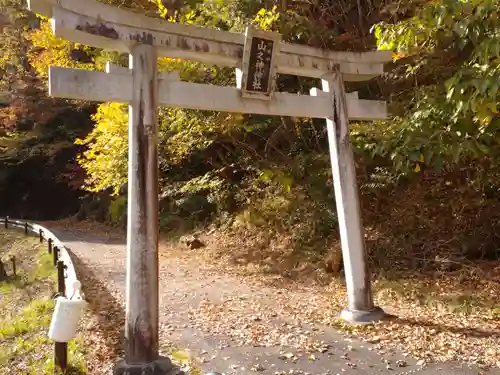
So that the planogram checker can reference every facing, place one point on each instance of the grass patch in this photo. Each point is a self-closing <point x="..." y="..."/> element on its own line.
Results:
<point x="27" y="307"/>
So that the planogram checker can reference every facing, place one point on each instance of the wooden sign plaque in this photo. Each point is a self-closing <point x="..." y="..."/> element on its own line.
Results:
<point x="259" y="63"/>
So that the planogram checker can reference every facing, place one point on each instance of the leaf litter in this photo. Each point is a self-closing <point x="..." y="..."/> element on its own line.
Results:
<point x="429" y="332"/>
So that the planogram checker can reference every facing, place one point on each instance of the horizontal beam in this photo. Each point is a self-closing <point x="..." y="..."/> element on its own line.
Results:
<point x="117" y="37"/>
<point x="108" y="13"/>
<point x="116" y="69"/>
<point x="99" y="86"/>
<point x="92" y="23"/>
<point x="364" y="109"/>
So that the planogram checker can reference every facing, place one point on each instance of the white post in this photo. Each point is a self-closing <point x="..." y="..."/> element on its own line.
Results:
<point x="360" y="307"/>
<point x="141" y="325"/>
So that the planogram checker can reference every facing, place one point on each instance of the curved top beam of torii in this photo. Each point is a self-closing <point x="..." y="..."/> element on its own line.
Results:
<point x="103" y="26"/>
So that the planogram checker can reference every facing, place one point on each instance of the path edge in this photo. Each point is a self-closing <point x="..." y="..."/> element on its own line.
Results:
<point x="43" y="233"/>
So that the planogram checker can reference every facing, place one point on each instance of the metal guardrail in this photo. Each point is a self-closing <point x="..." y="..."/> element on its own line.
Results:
<point x="56" y="247"/>
<point x="61" y="256"/>
<point x="66" y="274"/>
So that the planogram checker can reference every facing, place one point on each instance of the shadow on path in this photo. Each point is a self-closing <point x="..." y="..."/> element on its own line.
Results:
<point x="104" y="305"/>
<point x="470" y="332"/>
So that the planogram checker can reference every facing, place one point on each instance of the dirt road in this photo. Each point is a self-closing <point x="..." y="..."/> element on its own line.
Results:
<point x="236" y="326"/>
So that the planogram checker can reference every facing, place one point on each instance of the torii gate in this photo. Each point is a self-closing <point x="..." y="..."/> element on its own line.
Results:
<point x="257" y="57"/>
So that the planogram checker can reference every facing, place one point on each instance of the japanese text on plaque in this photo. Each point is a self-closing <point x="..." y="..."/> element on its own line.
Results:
<point x="259" y="65"/>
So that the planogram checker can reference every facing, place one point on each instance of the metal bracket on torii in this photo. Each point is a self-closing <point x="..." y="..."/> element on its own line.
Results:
<point x="257" y="58"/>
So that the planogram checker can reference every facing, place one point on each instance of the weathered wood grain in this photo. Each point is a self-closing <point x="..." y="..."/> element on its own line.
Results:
<point x="141" y="326"/>
<point x="99" y="86"/>
<point x="99" y="25"/>
<point x="359" y="295"/>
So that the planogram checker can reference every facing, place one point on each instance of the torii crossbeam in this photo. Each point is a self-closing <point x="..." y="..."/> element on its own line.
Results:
<point x="257" y="58"/>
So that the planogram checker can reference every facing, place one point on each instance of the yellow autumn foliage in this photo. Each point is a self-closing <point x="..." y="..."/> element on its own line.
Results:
<point x="51" y="51"/>
<point x="105" y="160"/>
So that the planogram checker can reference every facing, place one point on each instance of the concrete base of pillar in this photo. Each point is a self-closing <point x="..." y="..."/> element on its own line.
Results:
<point x="363" y="317"/>
<point x="162" y="366"/>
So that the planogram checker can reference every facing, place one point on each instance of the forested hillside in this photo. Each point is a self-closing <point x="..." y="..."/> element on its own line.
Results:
<point x="429" y="176"/>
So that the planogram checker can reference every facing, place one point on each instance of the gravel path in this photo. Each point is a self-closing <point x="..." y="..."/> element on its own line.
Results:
<point x="235" y="326"/>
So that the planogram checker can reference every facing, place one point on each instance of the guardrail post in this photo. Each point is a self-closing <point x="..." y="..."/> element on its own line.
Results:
<point x="3" y="274"/>
<point x="61" y="287"/>
<point x="55" y="254"/>
<point x="13" y="260"/>
<point x="60" y="348"/>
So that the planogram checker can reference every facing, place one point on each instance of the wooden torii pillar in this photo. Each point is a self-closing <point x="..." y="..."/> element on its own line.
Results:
<point x="257" y="58"/>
